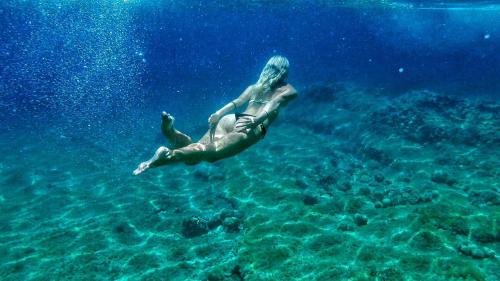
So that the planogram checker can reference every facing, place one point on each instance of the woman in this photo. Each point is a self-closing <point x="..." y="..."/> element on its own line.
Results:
<point x="233" y="133"/>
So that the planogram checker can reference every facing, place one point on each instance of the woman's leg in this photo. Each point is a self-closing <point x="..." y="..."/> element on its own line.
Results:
<point x="230" y="145"/>
<point x="176" y="138"/>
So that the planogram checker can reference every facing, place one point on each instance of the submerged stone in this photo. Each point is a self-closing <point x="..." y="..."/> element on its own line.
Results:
<point x="426" y="240"/>
<point x="360" y="220"/>
<point x="310" y="199"/>
<point x="475" y="251"/>
<point x="443" y="178"/>
<point x="193" y="227"/>
<point x="231" y="224"/>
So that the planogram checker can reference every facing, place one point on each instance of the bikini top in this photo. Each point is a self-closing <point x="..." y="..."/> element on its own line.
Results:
<point x="258" y="101"/>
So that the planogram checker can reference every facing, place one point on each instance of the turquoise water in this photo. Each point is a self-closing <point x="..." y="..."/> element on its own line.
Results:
<point x="386" y="167"/>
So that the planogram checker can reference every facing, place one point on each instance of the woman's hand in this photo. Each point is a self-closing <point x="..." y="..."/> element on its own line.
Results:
<point x="245" y="124"/>
<point x="213" y="119"/>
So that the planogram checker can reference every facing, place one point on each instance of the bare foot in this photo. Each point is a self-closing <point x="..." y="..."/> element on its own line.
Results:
<point x="167" y="122"/>
<point x="142" y="167"/>
<point x="161" y="157"/>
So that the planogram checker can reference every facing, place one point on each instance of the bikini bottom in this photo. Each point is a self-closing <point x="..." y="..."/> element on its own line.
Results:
<point x="263" y="129"/>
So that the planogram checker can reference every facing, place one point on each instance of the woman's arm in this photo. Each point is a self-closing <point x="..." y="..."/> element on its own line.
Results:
<point x="241" y="100"/>
<point x="270" y="110"/>
<point x="272" y="107"/>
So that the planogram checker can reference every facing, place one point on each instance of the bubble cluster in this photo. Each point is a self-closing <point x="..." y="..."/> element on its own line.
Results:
<point x="75" y="59"/>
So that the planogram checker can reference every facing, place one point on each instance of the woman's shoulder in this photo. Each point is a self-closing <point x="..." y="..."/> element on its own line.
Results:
<point x="287" y="89"/>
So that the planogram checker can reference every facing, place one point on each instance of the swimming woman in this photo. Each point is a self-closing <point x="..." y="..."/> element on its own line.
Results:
<point x="229" y="134"/>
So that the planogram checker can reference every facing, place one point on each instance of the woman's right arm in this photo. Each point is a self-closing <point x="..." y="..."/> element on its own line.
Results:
<point x="241" y="100"/>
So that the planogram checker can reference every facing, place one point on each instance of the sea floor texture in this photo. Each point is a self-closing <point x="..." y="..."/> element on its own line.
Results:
<point x="348" y="184"/>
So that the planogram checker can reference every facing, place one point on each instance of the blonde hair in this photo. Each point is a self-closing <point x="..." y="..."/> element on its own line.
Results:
<point x="275" y="71"/>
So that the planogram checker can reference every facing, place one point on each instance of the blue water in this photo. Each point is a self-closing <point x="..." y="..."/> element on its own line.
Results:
<point x="397" y="99"/>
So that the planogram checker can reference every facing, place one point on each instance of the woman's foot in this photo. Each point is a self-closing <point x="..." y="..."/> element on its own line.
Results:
<point x="167" y="122"/>
<point x="161" y="157"/>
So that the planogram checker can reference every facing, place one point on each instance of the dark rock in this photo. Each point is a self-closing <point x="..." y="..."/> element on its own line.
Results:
<point x="214" y="223"/>
<point x="194" y="226"/>
<point x="455" y="224"/>
<point x="355" y="205"/>
<point x="360" y="220"/>
<point x="485" y="235"/>
<point x="428" y="134"/>
<point x="364" y="191"/>
<point x="219" y="219"/>
<point x="310" y="199"/>
<point x="346" y="225"/>
<point x="344" y="186"/>
<point x="225" y="213"/>
<point x="426" y="241"/>
<point x="217" y="177"/>
<point x="403" y="196"/>
<point x="323" y="93"/>
<point x="216" y="275"/>
<point x="443" y="178"/>
<point x="377" y="155"/>
<point x="126" y="234"/>
<point x="379" y="178"/>
<point x="202" y="173"/>
<point x="236" y="272"/>
<point x="475" y="251"/>
<point x="231" y="225"/>
<point x="327" y="181"/>
<point x="485" y="197"/>
<point x="390" y="274"/>
<point x="300" y="183"/>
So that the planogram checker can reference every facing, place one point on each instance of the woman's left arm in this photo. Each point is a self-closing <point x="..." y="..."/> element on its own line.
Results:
<point x="272" y="107"/>
<point x="270" y="110"/>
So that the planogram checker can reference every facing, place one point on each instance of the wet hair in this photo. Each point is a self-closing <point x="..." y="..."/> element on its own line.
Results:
<point x="275" y="72"/>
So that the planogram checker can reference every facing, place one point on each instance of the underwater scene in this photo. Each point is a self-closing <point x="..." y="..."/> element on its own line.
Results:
<point x="249" y="140"/>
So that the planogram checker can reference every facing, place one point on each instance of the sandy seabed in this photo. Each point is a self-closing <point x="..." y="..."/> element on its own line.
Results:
<point x="349" y="184"/>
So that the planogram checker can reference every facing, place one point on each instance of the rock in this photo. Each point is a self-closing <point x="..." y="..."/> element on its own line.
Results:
<point x="390" y="274"/>
<point x="453" y="223"/>
<point x="323" y="93"/>
<point x="310" y="199"/>
<point x="327" y="181"/>
<point x="485" y="235"/>
<point x="231" y="225"/>
<point x="484" y="197"/>
<point x="364" y="191"/>
<point x="356" y="204"/>
<point x="364" y="178"/>
<point x="443" y="178"/>
<point x="426" y="241"/>
<point x="346" y="225"/>
<point x="377" y="155"/>
<point x="475" y="251"/>
<point x="194" y="227"/>
<point x="214" y="222"/>
<point x="344" y="186"/>
<point x="360" y="220"/>
<point x="236" y="272"/>
<point x="386" y="202"/>
<point x="202" y="173"/>
<point x="300" y="184"/>
<point x="404" y="196"/>
<point x="379" y="178"/>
